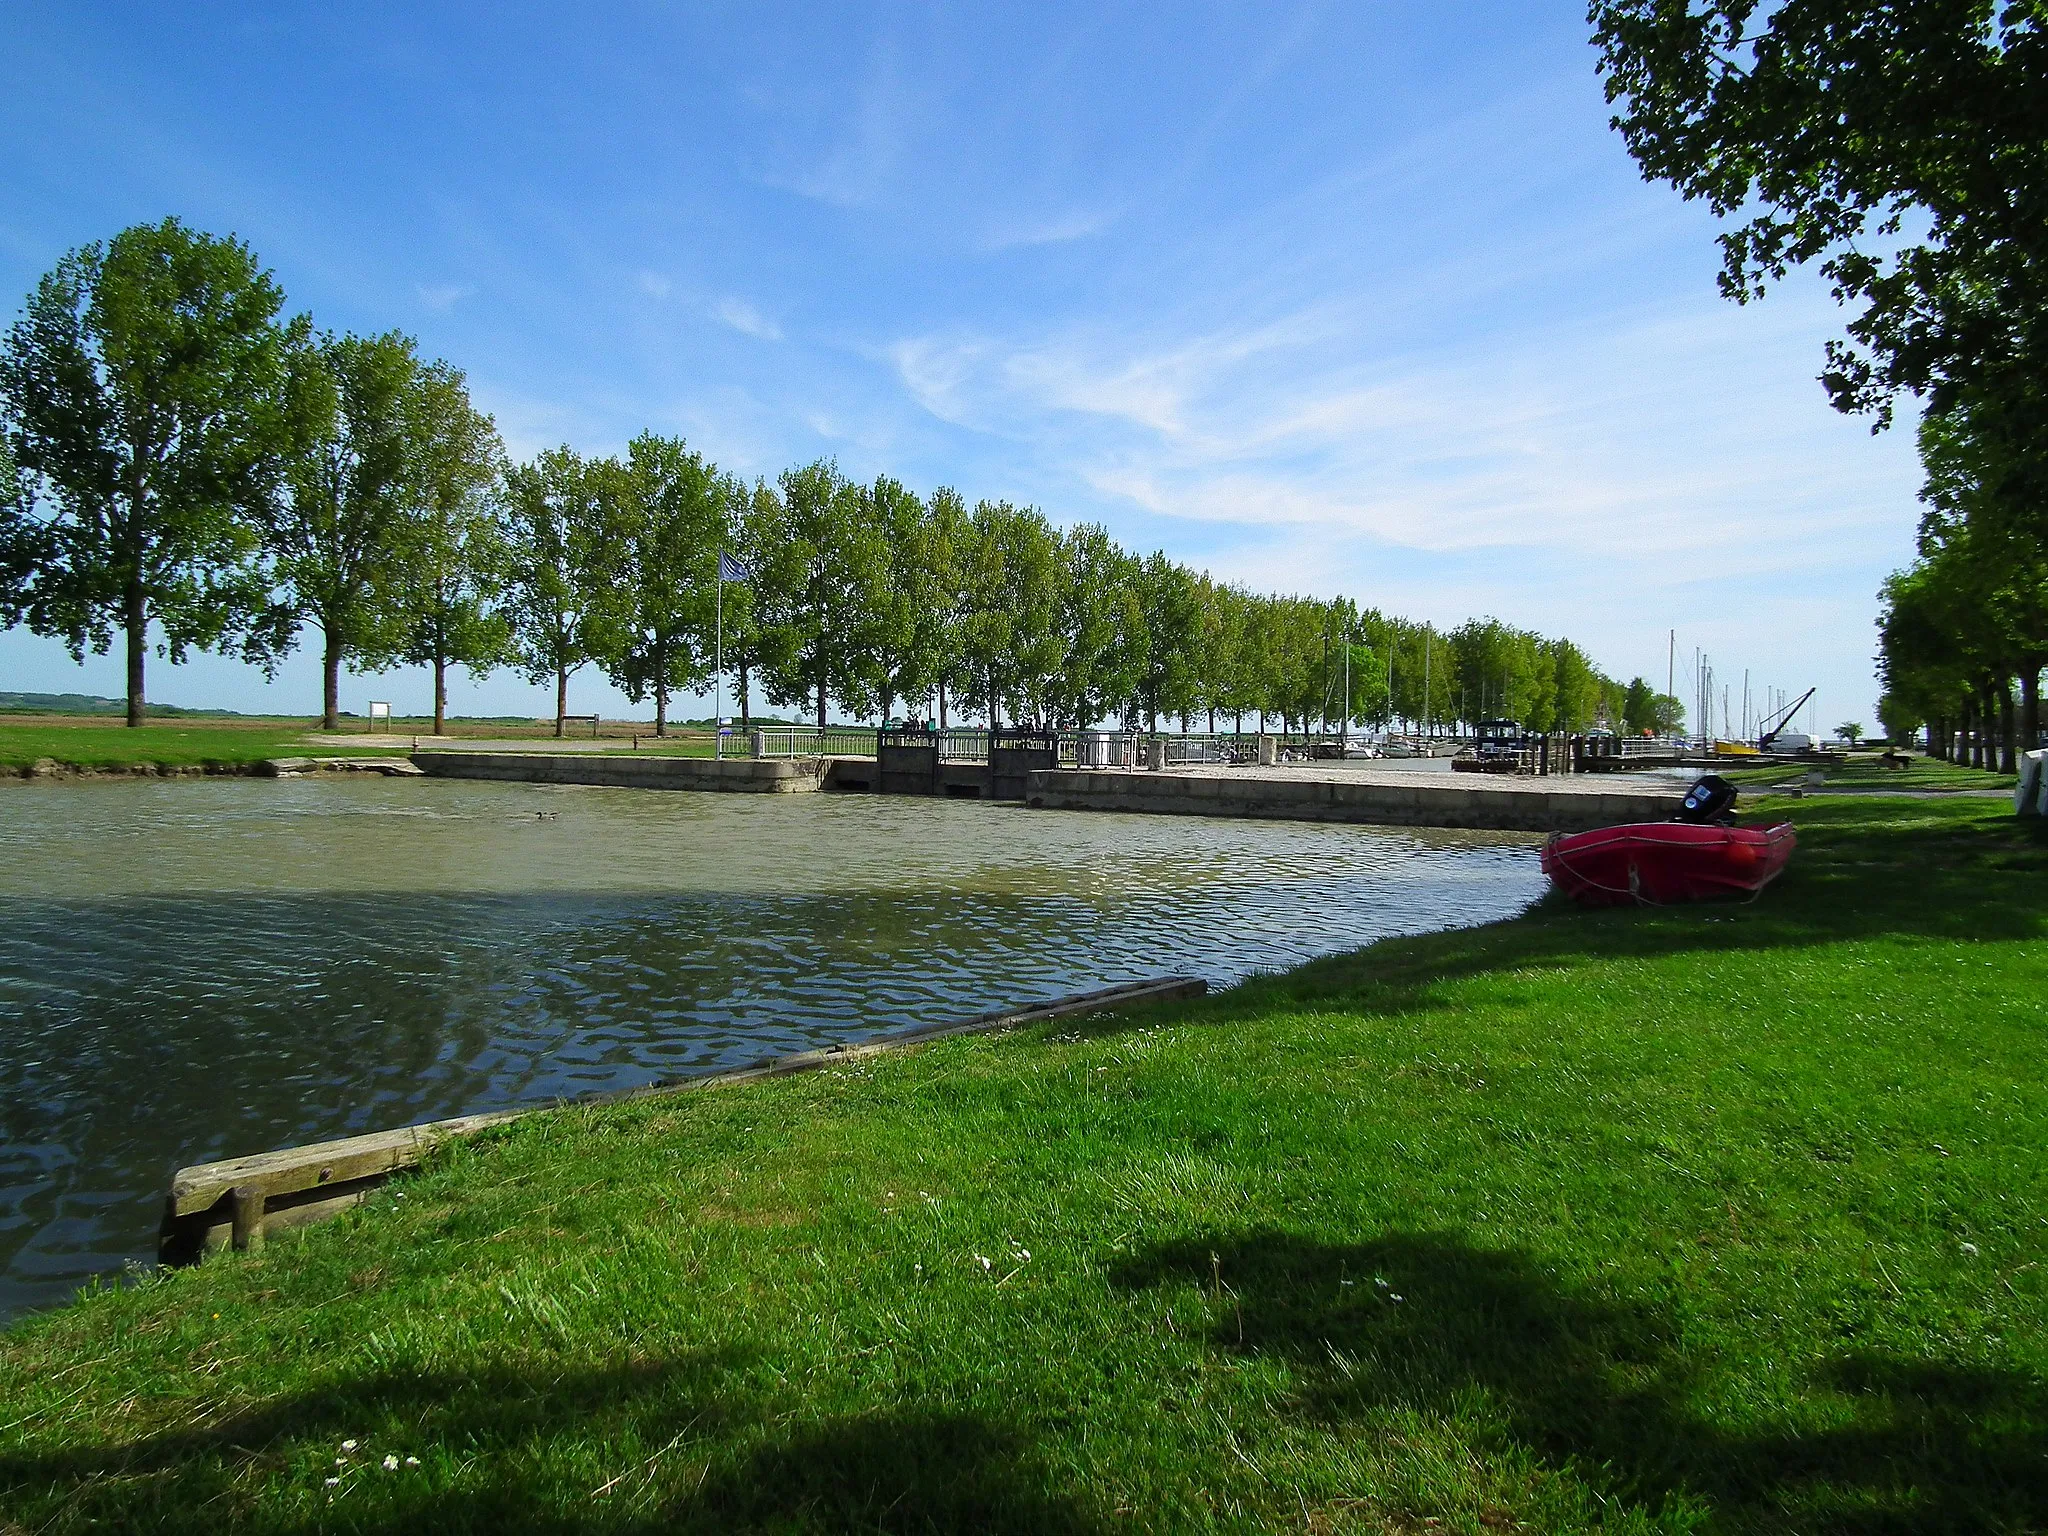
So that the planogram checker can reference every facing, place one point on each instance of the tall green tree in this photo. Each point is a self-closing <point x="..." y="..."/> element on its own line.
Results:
<point x="1170" y="601"/>
<point x="338" y="536"/>
<point x="663" y="520"/>
<point x="1102" y="623"/>
<point x="824" y="562"/>
<point x="752" y="645"/>
<point x="142" y="392"/>
<point x="1897" y="145"/>
<point x="551" y="545"/>
<point x="901" y="627"/>
<point x="1983" y="502"/>
<point x="948" y="535"/>
<point x="454" y="562"/>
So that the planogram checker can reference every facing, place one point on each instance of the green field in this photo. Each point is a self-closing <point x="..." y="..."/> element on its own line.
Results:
<point x="1866" y="772"/>
<point x="103" y="742"/>
<point x="1700" y="1219"/>
<point x="91" y="741"/>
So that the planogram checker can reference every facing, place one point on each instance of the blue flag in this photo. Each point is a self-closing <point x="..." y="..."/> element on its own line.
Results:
<point x="730" y="569"/>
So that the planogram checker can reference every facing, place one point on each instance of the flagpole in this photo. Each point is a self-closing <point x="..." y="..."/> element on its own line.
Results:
<point x="718" y="663"/>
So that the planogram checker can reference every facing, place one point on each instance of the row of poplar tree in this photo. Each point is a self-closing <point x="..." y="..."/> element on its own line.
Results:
<point x="184" y="462"/>
<point x="1964" y="633"/>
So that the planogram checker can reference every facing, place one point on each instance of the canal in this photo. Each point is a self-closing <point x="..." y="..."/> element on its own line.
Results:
<point x="192" y="970"/>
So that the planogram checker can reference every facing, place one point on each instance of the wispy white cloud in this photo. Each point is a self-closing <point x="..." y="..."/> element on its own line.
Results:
<point x="1664" y="434"/>
<point x="443" y="296"/>
<point x="654" y="284"/>
<point x="747" y="320"/>
<point x="1051" y="229"/>
<point x="866" y="149"/>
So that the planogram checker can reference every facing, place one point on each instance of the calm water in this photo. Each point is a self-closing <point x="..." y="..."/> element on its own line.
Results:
<point x="201" y="969"/>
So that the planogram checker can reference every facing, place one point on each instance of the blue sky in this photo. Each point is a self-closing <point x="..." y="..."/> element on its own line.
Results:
<point x="1361" y="298"/>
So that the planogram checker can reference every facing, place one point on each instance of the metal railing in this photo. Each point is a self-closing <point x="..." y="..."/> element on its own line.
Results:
<point x="809" y="741"/>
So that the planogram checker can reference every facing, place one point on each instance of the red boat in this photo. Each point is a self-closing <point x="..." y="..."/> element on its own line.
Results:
<point x="1660" y="862"/>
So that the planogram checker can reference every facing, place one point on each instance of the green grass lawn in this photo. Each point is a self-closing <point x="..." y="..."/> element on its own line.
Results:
<point x="1701" y="1219"/>
<point x="100" y="741"/>
<point x="90" y="741"/>
<point x="1869" y="773"/>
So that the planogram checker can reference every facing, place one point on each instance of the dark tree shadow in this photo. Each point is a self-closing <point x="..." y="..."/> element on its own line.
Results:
<point x="887" y="1471"/>
<point x="1911" y="1446"/>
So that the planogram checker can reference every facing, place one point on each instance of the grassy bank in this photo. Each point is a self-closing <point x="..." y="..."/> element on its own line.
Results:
<point x="100" y="742"/>
<point x="1702" y="1219"/>
<point x="94" y="742"/>
<point x="1867" y="772"/>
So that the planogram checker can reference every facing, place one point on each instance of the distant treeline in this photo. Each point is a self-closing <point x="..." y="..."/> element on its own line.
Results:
<point x="92" y="704"/>
<point x="180" y="455"/>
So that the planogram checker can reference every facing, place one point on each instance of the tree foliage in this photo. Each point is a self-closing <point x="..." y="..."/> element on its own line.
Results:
<point x="1900" y="146"/>
<point x="336" y="534"/>
<point x="142" y="393"/>
<point x="551" y="541"/>
<point x="452" y="569"/>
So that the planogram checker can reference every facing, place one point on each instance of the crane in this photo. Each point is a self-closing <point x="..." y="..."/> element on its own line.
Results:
<point x="1778" y="720"/>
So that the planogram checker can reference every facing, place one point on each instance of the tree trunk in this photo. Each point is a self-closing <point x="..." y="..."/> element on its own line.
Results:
<point x="2007" y="731"/>
<point x="2030" y="707"/>
<point x="942" y="706"/>
<point x="440" y="694"/>
<point x="330" y="691"/>
<point x="821" y="701"/>
<point x="661" y="689"/>
<point x="746" y="718"/>
<point x="561" y="696"/>
<point x="135" y="620"/>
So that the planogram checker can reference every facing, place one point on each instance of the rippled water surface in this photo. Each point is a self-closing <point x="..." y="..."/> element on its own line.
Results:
<point x="200" y="969"/>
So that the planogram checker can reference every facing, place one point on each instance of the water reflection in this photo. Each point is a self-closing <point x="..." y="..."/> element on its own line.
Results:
<point x="198" y="970"/>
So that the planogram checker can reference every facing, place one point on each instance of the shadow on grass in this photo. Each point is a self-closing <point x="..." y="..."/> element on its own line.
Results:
<point x="1429" y="1324"/>
<point x="727" y="1459"/>
<point x="1957" y="872"/>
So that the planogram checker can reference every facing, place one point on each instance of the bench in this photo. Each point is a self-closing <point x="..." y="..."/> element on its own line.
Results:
<point x="593" y="719"/>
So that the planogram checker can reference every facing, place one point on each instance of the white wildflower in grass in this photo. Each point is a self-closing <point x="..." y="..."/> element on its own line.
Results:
<point x="390" y="1463"/>
<point x="348" y="1445"/>
<point x="332" y="1481"/>
<point x="412" y="1461"/>
<point x="1970" y="1249"/>
<point x="984" y="1260"/>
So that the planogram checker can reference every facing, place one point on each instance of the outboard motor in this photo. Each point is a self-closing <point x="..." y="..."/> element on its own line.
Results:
<point x="1709" y="803"/>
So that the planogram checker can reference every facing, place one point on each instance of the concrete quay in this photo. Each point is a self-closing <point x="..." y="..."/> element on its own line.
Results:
<point x="1402" y="795"/>
<point x="627" y="770"/>
<point x="1562" y="804"/>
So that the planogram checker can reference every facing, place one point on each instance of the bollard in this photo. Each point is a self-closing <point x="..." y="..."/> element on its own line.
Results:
<point x="757" y="743"/>
<point x="1155" y="754"/>
<point x="1269" y="750"/>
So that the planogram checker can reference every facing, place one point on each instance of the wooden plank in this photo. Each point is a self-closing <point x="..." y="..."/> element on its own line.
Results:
<point x="201" y="1186"/>
<point x="247" y="1226"/>
<point x="208" y="1197"/>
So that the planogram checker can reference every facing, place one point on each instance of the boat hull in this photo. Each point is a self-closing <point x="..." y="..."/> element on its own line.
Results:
<point x="1661" y="862"/>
